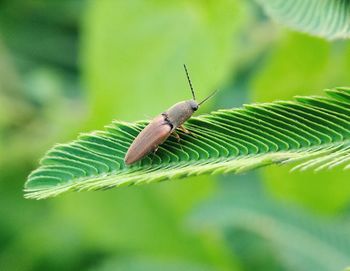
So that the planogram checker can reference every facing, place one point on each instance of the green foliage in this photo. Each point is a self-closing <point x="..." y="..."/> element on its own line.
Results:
<point x="149" y="264"/>
<point x="313" y="130"/>
<point x="304" y="72"/>
<point x="301" y="241"/>
<point x="300" y="186"/>
<point x="326" y="18"/>
<point x="38" y="85"/>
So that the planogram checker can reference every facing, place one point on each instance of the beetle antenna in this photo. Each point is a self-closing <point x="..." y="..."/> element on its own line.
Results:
<point x="189" y="82"/>
<point x="211" y="95"/>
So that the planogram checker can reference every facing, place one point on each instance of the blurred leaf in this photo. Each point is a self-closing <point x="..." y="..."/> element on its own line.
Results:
<point x="13" y="105"/>
<point x="37" y="80"/>
<point x="314" y="130"/>
<point x="149" y="264"/>
<point x="300" y="240"/>
<point x="325" y="18"/>
<point x="291" y="65"/>
<point x="324" y="192"/>
<point x="49" y="34"/>
<point x="133" y="53"/>
<point x="251" y="250"/>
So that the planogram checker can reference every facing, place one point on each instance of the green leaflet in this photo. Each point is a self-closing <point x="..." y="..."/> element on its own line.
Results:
<point x="314" y="131"/>
<point x="326" y="18"/>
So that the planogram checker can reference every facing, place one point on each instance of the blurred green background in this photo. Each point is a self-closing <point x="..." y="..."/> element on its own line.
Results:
<point x="73" y="66"/>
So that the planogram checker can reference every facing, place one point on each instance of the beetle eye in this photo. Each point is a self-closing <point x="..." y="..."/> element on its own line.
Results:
<point x="194" y="108"/>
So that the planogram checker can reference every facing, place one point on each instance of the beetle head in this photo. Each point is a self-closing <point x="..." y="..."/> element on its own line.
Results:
<point x="194" y="105"/>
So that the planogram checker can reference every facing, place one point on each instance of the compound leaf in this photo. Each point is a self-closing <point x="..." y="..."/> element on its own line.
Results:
<point x="313" y="131"/>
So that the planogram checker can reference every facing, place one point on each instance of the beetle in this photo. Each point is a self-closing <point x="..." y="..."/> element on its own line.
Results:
<point x="162" y="126"/>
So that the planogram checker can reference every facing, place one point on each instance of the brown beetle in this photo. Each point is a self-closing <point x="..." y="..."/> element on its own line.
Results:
<point x="161" y="127"/>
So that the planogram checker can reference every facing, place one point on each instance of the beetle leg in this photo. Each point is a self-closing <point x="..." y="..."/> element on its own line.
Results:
<point x="177" y="136"/>
<point x="153" y="153"/>
<point x="178" y="139"/>
<point x="182" y="128"/>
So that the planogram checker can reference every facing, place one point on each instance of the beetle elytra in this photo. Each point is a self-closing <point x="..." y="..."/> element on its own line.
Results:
<point x="161" y="127"/>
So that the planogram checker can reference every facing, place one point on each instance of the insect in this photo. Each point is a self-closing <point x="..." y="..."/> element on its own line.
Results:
<point x="162" y="126"/>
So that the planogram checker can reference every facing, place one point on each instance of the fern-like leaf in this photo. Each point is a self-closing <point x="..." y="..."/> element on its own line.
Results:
<point x="326" y="18"/>
<point x="315" y="131"/>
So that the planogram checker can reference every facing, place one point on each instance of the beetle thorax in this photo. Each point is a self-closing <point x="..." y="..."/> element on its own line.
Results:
<point x="180" y="112"/>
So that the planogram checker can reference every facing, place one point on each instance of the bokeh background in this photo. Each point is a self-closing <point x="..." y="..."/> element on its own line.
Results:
<point x="72" y="66"/>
